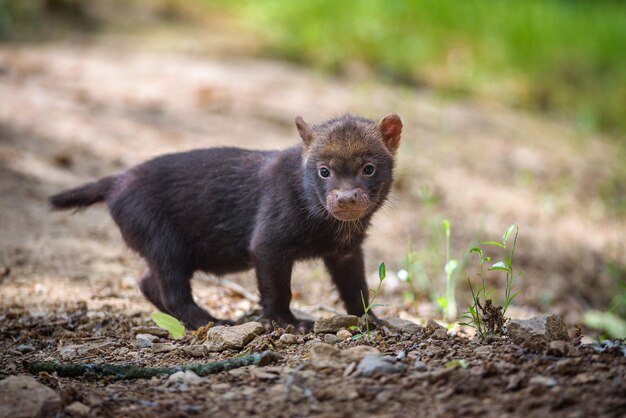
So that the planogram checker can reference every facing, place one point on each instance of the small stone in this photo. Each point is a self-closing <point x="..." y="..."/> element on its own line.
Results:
<point x="222" y="338"/>
<point x="78" y="409"/>
<point x="263" y="374"/>
<point x="440" y="334"/>
<point x="543" y="381"/>
<point x="483" y="350"/>
<point x="23" y="396"/>
<point x="325" y="356"/>
<point x="378" y="364"/>
<point x="71" y="351"/>
<point x="537" y="332"/>
<point x="162" y="347"/>
<point x="145" y="340"/>
<point x="432" y="326"/>
<point x="288" y="339"/>
<point x="358" y="352"/>
<point x="159" y="332"/>
<point x="420" y="366"/>
<point x="584" y="378"/>
<point x="335" y="324"/>
<point x="188" y="377"/>
<point x="197" y="350"/>
<point x="400" y="325"/>
<point x="25" y="348"/>
<point x="331" y="339"/>
<point x="344" y="334"/>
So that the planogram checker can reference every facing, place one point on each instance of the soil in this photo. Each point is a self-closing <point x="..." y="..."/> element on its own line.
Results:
<point x="71" y="112"/>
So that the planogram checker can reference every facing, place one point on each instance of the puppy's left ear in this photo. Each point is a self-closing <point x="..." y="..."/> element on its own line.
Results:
<point x="391" y="129"/>
<point x="305" y="131"/>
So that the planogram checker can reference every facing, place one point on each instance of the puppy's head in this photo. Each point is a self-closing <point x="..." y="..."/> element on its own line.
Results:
<point x="349" y="163"/>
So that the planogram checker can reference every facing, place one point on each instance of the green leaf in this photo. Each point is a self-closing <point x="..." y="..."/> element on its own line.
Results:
<point x="496" y="243"/>
<point x="457" y="362"/>
<point x="169" y="323"/>
<point x="446" y="225"/>
<point x="507" y="233"/>
<point x="451" y="266"/>
<point x="476" y="250"/>
<point x="608" y="322"/>
<point x="357" y="337"/>
<point x="382" y="272"/>
<point x="442" y="302"/>
<point x="499" y="266"/>
<point x="354" y="328"/>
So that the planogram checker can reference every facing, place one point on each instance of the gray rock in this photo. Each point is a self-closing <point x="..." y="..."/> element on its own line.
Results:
<point x="335" y="323"/>
<point x="358" y="352"/>
<point x="197" y="350"/>
<point x="187" y="377"/>
<point x="71" y="351"/>
<point x="331" y="339"/>
<point x="439" y="334"/>
<point x="162" y="347"/>
<point x="420" y="366"/>
<point x="222" y="338"/>
<point x="377" y="364"/>
<point x="25" y="348"/>
<point x="78" y="409"/>
<point x="538" y="331"/>
<point x="395" y="324"/>
<point x="24" y="397"/>
<point x="543" y="381"/>
<point x="159" y="332"/>
<point x="432" y="326"/>
<point x="145" y="340"/>
<point x="344" y="334"/>
<point x="288" y="339"/>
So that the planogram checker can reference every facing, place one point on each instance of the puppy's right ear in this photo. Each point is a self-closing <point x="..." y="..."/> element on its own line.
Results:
<point x="305" y="131"/>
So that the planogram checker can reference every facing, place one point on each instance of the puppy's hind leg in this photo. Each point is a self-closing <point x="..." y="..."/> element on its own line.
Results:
<point x="150" y="286"/>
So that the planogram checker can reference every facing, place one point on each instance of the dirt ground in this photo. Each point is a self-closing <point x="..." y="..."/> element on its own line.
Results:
<point x="71" y="112"/>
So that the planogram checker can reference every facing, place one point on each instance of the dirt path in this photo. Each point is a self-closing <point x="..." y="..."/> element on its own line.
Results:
<point x="70" y="113"/>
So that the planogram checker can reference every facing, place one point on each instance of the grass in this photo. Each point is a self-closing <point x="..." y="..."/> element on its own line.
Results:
<point x="482" y="315"/>
<point x="562" y="57"/>
<point x="367" y="307"/>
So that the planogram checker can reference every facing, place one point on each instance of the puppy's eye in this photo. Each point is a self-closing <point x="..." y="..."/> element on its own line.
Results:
<point x="368" y="169"/>
<point x="324" y="172"/>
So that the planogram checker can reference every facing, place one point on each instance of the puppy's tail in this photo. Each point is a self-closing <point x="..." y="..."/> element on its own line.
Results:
<point x="83" y="196"/>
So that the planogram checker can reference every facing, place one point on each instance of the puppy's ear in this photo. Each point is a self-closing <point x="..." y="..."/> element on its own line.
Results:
<point x="305" y="131"/>
<point x="391" y="129"/>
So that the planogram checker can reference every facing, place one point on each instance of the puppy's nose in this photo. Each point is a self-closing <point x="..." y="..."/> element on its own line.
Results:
<point x="346" y="198"/>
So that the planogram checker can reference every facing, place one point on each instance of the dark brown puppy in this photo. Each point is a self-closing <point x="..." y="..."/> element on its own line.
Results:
<point x="224" y="210"/>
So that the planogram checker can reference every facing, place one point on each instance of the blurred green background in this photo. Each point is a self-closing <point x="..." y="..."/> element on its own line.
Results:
<point x="566" y="58"/>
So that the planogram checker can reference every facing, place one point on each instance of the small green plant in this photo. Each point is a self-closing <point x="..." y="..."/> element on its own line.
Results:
<point x="430" y="259"/>
<point x="169" y="323"/>
<point x="367" y="307"/>
<point x="612" y="321"/>
<point x="482" y="315"/>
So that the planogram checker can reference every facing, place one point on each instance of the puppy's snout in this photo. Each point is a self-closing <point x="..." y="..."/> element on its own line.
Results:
<point x="346" y="199"/>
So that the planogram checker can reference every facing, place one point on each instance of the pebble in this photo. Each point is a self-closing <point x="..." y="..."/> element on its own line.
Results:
<point x="25" y="348"/>
<point x="344" y="334"/>
<point x="197" y="350"/>
<point x="335" y="324"/>
<point x="378" y="364"/>
<point x="145" y="340"/>
<point x="288" y="339"/>
<point x="420" y="366"/>
<point x="162" y="347"/>
<point x="188" y="377"/>
<point x="543" y="381"/>
<point x="440" y="334"/>
<point x="331" y="339"/>
<point x="222" y="338"/>
<point x="23" y="396"/>
<point x="78" y="409"/>
<point x="159" y="332"/>
<point x="538" y="331"/>
<point x="400" y="325"/>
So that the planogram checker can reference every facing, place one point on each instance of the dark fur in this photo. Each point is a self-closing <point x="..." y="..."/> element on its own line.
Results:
<point x="225" y="210"/>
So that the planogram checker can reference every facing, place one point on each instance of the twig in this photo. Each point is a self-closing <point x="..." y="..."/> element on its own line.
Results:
<point x="129" y="372"/>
